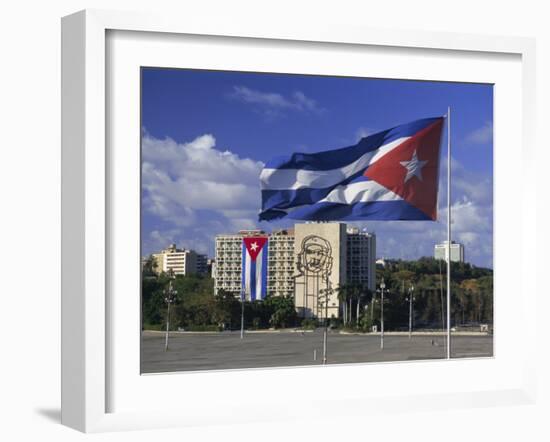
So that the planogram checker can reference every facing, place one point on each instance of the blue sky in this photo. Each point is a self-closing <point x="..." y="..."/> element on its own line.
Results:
<point x="206" y="135"/>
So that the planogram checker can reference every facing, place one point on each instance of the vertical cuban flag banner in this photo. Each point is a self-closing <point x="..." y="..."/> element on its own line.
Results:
<point x="390" y="175"/>
<point x="254" y="267"/>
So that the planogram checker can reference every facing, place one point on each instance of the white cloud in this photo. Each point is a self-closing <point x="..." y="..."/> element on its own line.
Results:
<point x="199" y="160"/>
<point x="469" y="238"/>
<point x="302" y="102"/>
<point x="469" y="217"/>
<point x="473" y="185"/>
<point x="472" y="211"/>
<point x="480" y="190"/>
<point x="157" y="240"/>
<point x="180" y="180"/>
<point x="481" y="135"/>
<point x="272" y="103"/>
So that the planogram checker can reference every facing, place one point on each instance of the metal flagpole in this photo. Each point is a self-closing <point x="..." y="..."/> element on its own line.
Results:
<point x="442" y="302"/>
<point x="325" y="332"/>
<point x="449" y="232"/>
<point x="382" y="287"/>
<point x="167" y="327"/>
<point x="170" y="297"/>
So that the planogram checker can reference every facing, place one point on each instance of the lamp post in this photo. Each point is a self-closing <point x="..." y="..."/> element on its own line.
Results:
<point x="325" y="339"/>
<point x="382" y="287"/>
<point x="323" y="297"/>
<point x="372" y="306"/>
<point x="242" y="312"/>
<point x="169" y="297"/>
<point x="411" y="299"/>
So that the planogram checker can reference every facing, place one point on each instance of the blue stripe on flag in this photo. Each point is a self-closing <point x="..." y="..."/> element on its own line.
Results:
<point x="252" y="279"/>
<point x="285" y="199"/>
<point x="333" y="159"/>
<point x="376" y="210"/>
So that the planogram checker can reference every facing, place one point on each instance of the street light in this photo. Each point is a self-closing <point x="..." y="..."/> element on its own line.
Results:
<point x="242" y="312"/>
<point x="382" y="287"/>
<point x="411" y="299"/>
<point x="169" y="297"/>
<point x="326" y="292"/>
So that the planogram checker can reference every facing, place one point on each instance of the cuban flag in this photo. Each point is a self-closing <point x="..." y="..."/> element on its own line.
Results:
<point x="254" y="268"/>
<point x="391" y="175"/>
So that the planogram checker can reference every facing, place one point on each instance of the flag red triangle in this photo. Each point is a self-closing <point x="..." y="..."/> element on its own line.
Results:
<point x="411" y="170"/>
<point x="254" y="245"/>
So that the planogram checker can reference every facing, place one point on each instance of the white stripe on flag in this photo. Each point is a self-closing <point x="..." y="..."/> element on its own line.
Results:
<point x="282" y="179"/>
<point x="247" y="275"/>
<point x="259" y="275"/>
<point x="360" y="192"/>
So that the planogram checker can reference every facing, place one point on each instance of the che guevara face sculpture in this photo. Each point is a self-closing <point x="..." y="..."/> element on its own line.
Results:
<point x="316" y="255"/>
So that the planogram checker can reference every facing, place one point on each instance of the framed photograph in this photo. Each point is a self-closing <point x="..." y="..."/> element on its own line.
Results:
<point x="265" y="216"/>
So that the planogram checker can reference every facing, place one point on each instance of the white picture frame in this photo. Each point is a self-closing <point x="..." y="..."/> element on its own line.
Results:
<point x="87" y="354"/>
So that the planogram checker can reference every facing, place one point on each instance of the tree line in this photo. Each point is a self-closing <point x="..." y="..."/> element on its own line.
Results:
<point x="196" y="307"/>
<point x="425" y="280"/>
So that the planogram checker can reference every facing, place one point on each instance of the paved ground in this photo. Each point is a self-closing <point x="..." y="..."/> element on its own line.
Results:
<point x="213" y="351"/>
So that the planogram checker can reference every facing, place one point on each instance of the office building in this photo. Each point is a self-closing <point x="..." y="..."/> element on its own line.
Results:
<point x="361" y="257"/>
<point x="281" y="266"/>
<point x="202" y="264"/>
<point x="457" y="251"/>
<point x="180" y="261"/>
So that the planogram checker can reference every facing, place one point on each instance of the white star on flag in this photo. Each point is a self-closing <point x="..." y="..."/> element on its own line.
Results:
<point x="254" y="246"/>
<point x="414" y="167"/>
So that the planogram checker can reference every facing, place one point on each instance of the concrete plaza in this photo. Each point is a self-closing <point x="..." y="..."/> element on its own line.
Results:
<point x="214" y="351"/>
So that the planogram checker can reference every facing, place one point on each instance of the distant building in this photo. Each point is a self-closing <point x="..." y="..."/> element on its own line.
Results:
<point x="180" y="261"/>
<point x="320" y="250"/>
<point x="202" y="264"/>
<point x="281" y="268"/>
<point x="228" y="261"/>
<point x="361" y="256"/>
<point x="381" y="262"/>
<point x="457" y="251"/>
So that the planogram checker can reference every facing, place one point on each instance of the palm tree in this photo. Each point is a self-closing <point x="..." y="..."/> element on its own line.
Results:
<point x="364" y="296"/>
<point x="343" y="296"/>
<point x="356" y="290"/>
<point x="352" y="295"/>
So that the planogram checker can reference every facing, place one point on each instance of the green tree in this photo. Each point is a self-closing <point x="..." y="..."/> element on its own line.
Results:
<point x="364" y="299"/>
<point x="227" y="309"/>
<point x="344" y="294"/>
<point x="149" y="267"/>
<point x="283" y="311"/>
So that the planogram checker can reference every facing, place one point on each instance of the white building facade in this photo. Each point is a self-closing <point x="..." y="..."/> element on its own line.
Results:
<point x="179" y="261"/>
<point x="457" y="251"/>
<point x="280" y="263"/>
